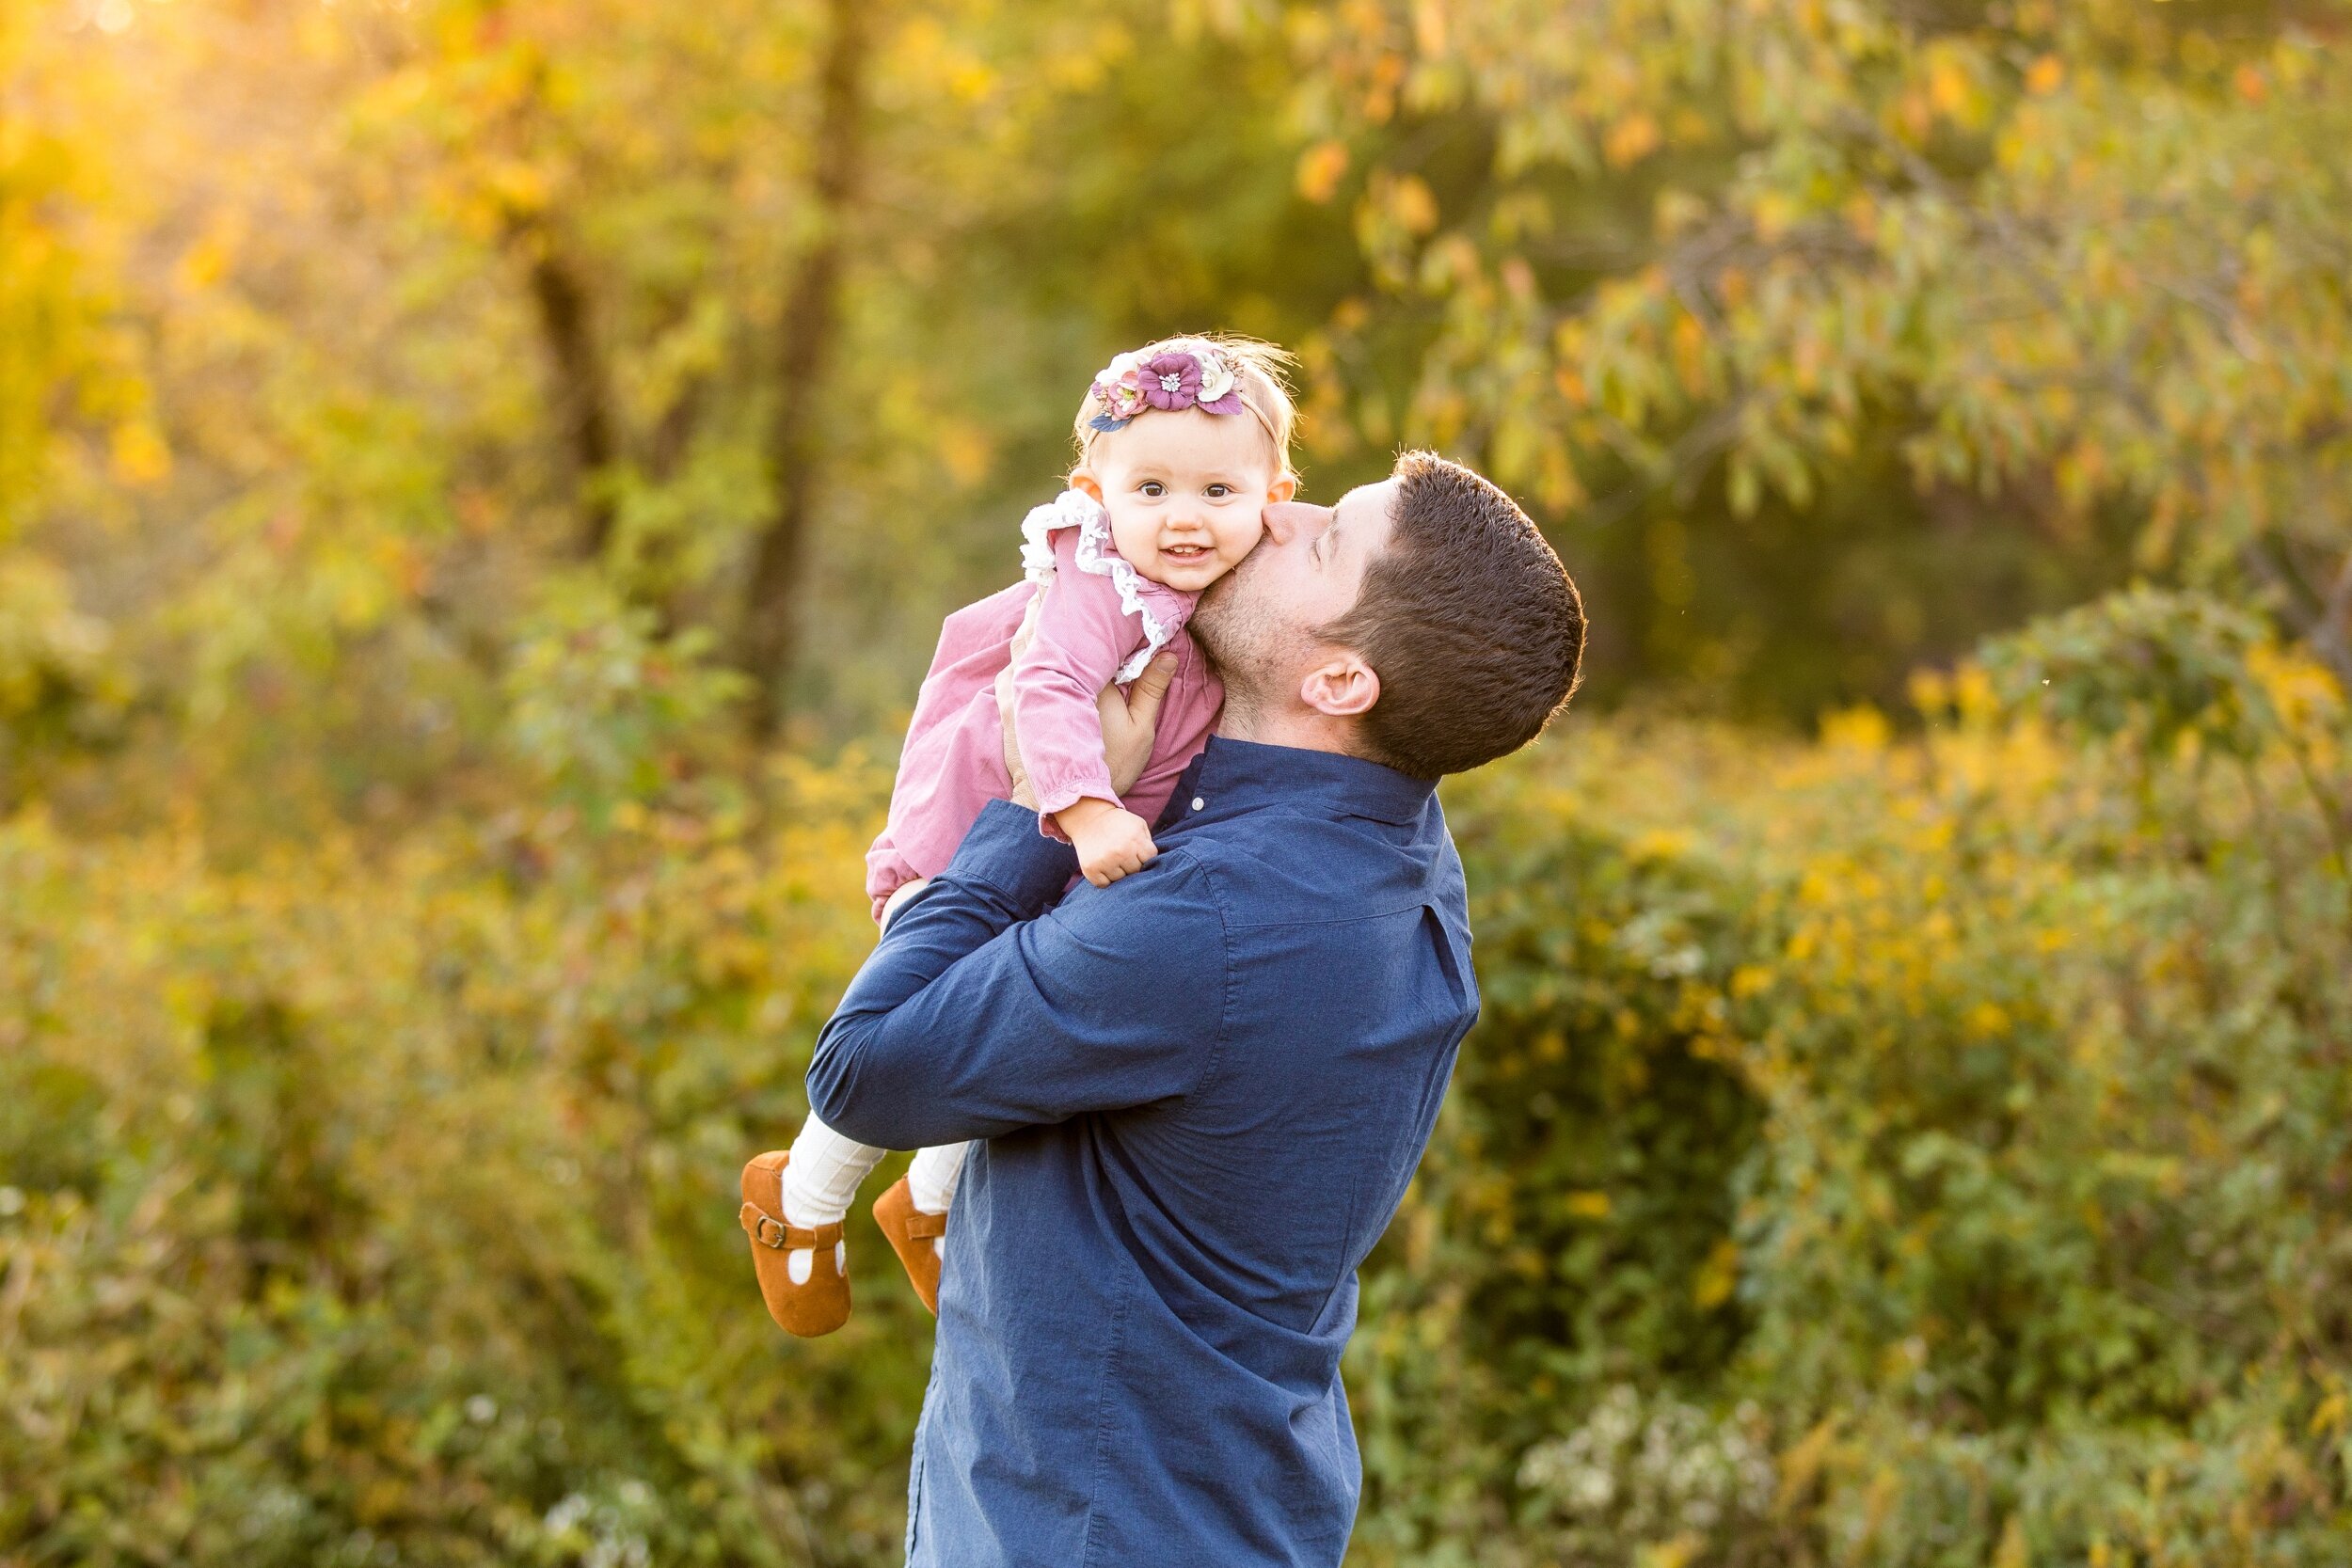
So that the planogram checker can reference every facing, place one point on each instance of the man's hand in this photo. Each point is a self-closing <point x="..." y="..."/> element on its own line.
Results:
<point x="1131" y="719"/>
<point x="1111" y="841"/>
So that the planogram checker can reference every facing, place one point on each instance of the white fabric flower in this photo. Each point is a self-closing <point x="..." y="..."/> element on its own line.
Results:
<point x="1217" y="376"/>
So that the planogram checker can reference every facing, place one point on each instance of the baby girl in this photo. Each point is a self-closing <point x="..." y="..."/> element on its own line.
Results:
<point x="1181" y="444"/>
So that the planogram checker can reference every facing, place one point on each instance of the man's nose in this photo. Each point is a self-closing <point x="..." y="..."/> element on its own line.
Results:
<point x="1289" y="520"/>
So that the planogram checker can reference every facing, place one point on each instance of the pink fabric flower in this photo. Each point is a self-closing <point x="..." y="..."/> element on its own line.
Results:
<point x="1171" y="381"/>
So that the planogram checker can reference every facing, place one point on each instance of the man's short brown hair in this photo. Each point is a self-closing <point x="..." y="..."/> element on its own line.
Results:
<point x="1473" y="626"/>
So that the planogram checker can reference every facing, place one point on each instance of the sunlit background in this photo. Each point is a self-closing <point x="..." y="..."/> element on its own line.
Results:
<point x="478" y="483"/>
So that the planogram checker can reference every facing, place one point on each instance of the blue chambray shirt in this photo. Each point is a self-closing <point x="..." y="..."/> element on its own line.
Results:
<point x="1203" y="1091"/>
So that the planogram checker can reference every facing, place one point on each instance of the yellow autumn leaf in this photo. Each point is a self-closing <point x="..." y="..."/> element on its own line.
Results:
<point x="1320" y="168"/>
<point x="1411" y="204"/>
<point x="1717" y="1278"/>
<point x="1951" y="89"/>
<point x="137" y="454"/>
<point x="1429" y="27"/>
<point x="1630" y="139"/>
<point x="965" y="451"/>
<point x="2011" y="1552"/>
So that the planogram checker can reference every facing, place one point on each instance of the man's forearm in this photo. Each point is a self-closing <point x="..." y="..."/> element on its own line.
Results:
<point x="866" y="1077"/>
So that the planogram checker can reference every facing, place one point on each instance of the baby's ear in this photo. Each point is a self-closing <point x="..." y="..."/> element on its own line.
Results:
<point x="1281" y="489"/>
<point x="1082" y="479"/>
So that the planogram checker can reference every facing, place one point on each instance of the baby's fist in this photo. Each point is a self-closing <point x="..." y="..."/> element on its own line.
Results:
<point x="1112" y="844"/>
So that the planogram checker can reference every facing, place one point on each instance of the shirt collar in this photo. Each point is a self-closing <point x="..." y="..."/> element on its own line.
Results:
<point x="1240" y="773"/>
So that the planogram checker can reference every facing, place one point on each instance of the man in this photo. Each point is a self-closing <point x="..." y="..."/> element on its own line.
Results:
<point x="1205" y="1087"/>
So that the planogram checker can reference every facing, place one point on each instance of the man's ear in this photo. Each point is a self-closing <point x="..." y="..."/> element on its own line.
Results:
<point x="1341" y="686"/>
<point x="1082" y="478"/>
<point x="1281" y="489"/>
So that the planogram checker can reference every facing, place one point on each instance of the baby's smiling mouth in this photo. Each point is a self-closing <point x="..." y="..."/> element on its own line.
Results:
<point x="1185" y="552"/>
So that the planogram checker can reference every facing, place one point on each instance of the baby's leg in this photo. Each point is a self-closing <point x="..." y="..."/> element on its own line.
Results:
<point x="899" y="896"/>
<point x="932" y="1178"/>
<point x="913" y="1214"/>
<point x="820" y="1180"/>
<point x="826" y="1167"/>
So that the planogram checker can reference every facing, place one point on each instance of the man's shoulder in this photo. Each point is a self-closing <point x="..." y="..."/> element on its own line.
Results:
<point x="1180" y="887"/>
<point x="1306" y="868"/>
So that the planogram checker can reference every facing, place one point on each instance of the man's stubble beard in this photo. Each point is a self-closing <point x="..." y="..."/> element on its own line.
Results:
<point x="1214" y="632"/>
<point x="1208" y="616"/>
<point x="1241" y="643"/>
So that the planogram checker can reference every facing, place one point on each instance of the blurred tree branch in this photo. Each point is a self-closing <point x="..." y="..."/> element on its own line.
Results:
<point x="584" y="404"/>
<point x="769" y="639"/>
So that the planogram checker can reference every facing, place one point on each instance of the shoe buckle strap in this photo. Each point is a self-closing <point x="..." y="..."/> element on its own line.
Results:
<point x="769" y="1231"/>
<point x="923" y="1226"/>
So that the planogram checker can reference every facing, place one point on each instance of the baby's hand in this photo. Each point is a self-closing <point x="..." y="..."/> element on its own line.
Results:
<point x="1111" y="841"/>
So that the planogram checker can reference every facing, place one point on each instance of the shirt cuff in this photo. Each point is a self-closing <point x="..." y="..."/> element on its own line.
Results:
<point x="1003" y="851"/>
<point x="1058" y="795"/>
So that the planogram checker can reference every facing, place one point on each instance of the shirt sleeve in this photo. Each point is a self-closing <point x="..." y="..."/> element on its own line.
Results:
<point x="1082" y="636"/>
<point x="984" y="1010"/>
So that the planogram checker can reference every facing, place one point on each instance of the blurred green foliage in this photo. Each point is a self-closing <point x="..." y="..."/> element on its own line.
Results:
<point x="1919" y="1143"/>
<point x="1960" y="1120"/>
<point x="1940" y="1144"/>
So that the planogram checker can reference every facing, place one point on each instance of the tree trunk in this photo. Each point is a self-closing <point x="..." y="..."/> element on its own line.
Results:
<point x="769" y="635"/>
<point x="583" y="400"/>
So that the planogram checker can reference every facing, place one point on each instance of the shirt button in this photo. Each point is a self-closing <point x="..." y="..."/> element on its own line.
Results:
<point x="1197" y="803"/>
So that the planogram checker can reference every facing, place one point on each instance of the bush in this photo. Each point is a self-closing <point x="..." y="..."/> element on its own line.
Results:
<point x="367" y="1209"/>
<point x="1986" y="1135"/>
<point x="1888" y="1151"/>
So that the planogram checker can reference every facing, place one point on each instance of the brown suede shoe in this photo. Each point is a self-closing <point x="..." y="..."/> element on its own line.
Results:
<point x="821" y="1304"/>
<point x="913" y="1233"/>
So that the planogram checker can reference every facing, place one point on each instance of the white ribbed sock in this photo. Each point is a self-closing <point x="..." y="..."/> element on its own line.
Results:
<point x="824" y="1174"/>
<point x="932" y="1179"/>
<point x="819" y="1184"/>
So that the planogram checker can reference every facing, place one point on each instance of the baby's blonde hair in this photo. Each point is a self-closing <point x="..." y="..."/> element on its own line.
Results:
<point x="1261" y="372"/>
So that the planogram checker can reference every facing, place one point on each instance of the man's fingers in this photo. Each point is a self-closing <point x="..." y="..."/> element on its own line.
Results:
<point x="1013" y="768"/>
<point x="1028" y="632"/>
<point x="1151" y="689"/>
<point x="1131" y="719"/>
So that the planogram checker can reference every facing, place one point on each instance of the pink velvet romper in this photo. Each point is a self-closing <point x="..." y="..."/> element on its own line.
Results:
<point x="1104" y="619"/>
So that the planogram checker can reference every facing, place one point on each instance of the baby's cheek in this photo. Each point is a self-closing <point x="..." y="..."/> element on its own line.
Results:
<point x="1136" y="536"/>
<point x="1241" y="537"/>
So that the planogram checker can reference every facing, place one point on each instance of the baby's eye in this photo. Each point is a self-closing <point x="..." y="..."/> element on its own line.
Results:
<point x="1154" y="488"/>
<point x="1218" y="492"/>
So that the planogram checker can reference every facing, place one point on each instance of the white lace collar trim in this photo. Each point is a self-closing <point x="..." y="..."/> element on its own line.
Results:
<point x="1098" y="554"/>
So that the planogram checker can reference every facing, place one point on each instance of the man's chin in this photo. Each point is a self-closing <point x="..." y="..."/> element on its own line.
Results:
<point x="1208" y="612"/>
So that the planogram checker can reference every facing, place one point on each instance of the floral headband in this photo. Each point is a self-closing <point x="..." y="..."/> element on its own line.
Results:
<point x="1194" y="378"/>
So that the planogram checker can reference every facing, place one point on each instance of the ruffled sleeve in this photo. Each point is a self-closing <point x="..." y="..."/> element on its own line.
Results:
<point x="1159" y="612"/>
<point x="1101" y="622"/>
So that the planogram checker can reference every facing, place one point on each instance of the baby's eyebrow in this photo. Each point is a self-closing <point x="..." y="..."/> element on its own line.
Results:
<point x="1142" y="474"/>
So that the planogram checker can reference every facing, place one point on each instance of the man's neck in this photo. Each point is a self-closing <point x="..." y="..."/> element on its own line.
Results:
<point x="1305" y="729"/>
